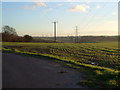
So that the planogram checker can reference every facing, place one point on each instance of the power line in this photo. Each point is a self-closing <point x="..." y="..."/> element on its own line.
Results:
<point x="104" y="16"/>
<point x="90" y="20"/>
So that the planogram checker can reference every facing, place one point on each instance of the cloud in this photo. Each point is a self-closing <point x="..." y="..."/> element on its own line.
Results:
<point x="35" y="5"/>
<point x="40" y="4"/>
<point x="98" y="6"/>
<point x="79" y="8"/>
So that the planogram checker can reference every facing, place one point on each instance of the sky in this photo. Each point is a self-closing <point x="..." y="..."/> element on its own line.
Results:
<point x="35" y="18"/>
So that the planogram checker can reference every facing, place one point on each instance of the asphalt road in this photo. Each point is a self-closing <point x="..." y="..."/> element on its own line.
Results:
<point x="21" y="71"/>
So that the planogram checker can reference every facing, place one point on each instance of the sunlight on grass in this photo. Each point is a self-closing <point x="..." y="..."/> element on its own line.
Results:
<point x="98" y="72"/>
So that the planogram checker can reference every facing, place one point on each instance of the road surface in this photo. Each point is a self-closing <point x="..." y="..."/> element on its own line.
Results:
<point x="21" y="71"/>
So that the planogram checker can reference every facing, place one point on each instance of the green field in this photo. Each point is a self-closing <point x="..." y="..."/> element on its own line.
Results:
<point x="101" y="59"/>
<point x="100" y="54"/>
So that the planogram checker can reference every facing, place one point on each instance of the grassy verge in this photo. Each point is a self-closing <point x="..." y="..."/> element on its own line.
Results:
<point x="95" y="76"/>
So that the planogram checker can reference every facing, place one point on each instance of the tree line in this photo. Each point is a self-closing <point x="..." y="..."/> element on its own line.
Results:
<point x="9" y="34"/>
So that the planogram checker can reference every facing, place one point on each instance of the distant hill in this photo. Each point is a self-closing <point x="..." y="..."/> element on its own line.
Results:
<point x="72" y="39"/>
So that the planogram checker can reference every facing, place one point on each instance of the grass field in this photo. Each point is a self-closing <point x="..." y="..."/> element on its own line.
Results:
<point x="99" y="61"/>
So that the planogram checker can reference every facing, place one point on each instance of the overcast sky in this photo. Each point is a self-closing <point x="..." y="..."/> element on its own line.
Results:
<point x="35" y="18"/>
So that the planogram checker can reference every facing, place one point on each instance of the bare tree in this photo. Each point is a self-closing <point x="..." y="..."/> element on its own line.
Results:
<point x="9" y="34"/>
<point x="9" y="30"/>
